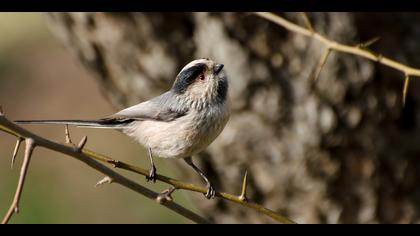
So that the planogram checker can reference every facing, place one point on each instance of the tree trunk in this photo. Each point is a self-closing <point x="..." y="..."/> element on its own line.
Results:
<point x="338" y="149"/>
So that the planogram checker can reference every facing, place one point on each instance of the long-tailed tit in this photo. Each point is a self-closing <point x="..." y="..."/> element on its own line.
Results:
<point x="177" y="124"/>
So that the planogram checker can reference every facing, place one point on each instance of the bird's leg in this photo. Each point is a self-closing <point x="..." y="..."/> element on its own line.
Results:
<point x="211" y="192"/>
<point x="152" y="172"/>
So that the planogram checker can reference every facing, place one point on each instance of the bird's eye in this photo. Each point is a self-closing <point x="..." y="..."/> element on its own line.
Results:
<point x="201" y="77"/>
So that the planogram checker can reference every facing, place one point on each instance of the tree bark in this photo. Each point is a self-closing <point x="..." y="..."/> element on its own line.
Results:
<point x="339" y="149"/>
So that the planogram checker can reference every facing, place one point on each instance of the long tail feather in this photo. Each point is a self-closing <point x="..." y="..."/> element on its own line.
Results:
<point x="107" y="124"/>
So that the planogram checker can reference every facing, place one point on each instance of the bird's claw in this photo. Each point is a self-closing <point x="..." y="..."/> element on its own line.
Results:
<point x="211" y="192"/>
<point x="152" y="175"/>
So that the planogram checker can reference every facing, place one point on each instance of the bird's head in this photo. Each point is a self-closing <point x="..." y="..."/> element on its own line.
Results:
<point x="202" y="81"/>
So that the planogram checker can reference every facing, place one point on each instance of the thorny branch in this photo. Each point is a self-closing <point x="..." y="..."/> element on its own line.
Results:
<point x="164" y="198"/>
<point x="242" y="199"/>
<point x="358" y="50"/>
<point x="14" y="207"/>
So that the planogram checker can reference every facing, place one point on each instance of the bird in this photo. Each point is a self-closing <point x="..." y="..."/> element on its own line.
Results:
<point x="179" y="123"/>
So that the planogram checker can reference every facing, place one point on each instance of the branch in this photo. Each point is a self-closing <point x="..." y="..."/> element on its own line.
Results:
<point x="177" y="184"/>
<point x="333" y="45"/>
<point x="90" y="157"/>
<point x="355" y="50"/>
<point x="14" y="207"/>
<point x="33" y="140"/>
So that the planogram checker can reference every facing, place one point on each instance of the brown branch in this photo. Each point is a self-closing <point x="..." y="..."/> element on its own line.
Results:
<point x="14" y="207"/>
<point x="90" y="156"/>
<point x="11" y="128"/>
<point x="333" y="45"/>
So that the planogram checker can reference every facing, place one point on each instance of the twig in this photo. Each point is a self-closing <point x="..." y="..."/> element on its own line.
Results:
<point x="14" y="207"/>
<point x="11" y="128"/>
<point x="333" y="45"/>
<point x="89" y="157"/>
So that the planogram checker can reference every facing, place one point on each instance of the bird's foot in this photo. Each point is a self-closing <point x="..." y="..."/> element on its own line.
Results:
<point x="152" y="175"/>
<point x="211" y="192"/>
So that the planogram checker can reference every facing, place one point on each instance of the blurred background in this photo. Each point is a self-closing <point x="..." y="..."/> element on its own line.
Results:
<point x="341" y="149"/>
<point x="40" y="79"/>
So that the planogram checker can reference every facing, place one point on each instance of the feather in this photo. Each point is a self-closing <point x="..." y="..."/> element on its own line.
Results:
<point x="165" y="107"/>
<point x="161" y="108"/>
<point x="105" y="123"/>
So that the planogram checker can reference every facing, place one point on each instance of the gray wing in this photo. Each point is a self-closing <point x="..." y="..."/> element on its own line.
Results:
<point x="162" y="108"/>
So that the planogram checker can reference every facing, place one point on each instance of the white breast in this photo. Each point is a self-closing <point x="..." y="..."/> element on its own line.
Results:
<point x="182" y="137"/>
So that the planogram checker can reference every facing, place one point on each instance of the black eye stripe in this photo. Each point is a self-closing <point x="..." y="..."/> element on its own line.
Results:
<point x="186" y="77"/>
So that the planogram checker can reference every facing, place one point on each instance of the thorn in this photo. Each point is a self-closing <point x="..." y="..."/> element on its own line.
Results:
<point x="307" y="21"/>
<point x="16" y="210"/>
<point x="244" y="188"/>
<point x="105" y="180"/>
<point x="115" y="163"/>
<point x="15" y="152"/>
<point x="165" y="196"/>
<point x="321" y="63"/>
<point x="67" y="133"/>
<point x="82" y="143"/>
<point x="405" y="89"/>
<point x="369" y="42"/>
<point x="1" y="111"/>
<point x="379" y="57"/>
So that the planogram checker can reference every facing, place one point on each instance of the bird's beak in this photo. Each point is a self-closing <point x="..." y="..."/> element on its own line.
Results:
<point x="218" y="68"/>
